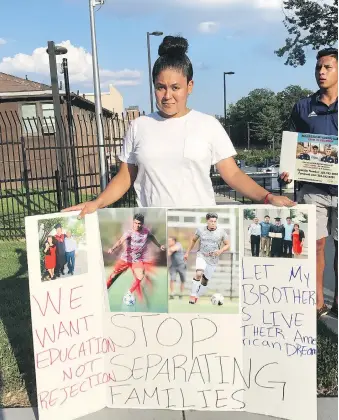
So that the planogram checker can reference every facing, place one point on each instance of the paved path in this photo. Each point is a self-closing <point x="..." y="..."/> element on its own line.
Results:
<point x="327" y="410"/>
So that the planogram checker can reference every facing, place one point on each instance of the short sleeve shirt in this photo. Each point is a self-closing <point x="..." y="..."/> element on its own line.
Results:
<point x="210" y="241"/>
<point x="136" y="245"/>
<point x="174" y="157"/>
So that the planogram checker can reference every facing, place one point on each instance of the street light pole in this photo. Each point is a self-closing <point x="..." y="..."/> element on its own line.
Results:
<point x="97" y="95"/>
<point x="156" y="33"/>
<point x="53" y="51"/>
<point x="70" y="128"/>
<point x="225" y="105"/>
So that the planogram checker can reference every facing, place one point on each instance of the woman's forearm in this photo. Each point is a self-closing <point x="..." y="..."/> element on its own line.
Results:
<point x="240" y="181"/>
<point x="246" y="186"/>
<point x="118" y="186"/>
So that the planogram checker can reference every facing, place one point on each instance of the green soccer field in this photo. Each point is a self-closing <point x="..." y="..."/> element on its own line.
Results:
<point x="203" y="306"/>
<point x="156" y="300"/>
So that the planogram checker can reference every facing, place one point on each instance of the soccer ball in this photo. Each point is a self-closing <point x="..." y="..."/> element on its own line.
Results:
<point x="129" y="299"/>
<point x="217" y="299"/>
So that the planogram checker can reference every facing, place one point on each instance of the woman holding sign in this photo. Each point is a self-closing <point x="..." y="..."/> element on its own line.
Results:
<point x="167" y="155"/>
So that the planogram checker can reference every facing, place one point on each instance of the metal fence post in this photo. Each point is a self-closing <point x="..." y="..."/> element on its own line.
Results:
<point x="25" y="176"/>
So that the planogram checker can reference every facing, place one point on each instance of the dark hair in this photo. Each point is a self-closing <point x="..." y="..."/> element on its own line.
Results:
<point x="315" y="147"/>
<point x="296" y="224"/>
<point x="139" y="217"/>
<point x="172" y="55"/>
<point x="288" y="218"/>
<point x="211" y="216"/>
<point x="328" y="52"/>
<point x="267" y="216"/>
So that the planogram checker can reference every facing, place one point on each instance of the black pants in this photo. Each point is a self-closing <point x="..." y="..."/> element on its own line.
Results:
<point x="287" y="249"/>
<point x="255" y="245"/>
<point x="277" y="247"/>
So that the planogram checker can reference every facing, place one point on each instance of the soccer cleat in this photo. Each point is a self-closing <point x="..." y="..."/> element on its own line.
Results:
<point x="193" y="300"/>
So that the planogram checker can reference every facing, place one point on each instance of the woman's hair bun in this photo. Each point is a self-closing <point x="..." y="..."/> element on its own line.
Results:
<point x="173" y="46"/>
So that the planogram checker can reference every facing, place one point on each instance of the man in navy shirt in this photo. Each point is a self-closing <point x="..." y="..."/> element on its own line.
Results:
<point x="318" y="114"/>
<point x="328" y="158"/>
<point x="304" y="155"/>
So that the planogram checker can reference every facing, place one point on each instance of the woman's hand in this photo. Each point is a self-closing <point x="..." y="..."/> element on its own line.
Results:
<point x="280" y="201"/>
<point x="86" y="208"/>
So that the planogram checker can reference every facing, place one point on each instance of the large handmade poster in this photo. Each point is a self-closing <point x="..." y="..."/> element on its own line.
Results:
<point x="310" y="157"/>
<point x="182" y="309"/>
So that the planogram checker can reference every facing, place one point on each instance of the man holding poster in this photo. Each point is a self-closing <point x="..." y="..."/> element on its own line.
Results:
<point x="318" y="114"/>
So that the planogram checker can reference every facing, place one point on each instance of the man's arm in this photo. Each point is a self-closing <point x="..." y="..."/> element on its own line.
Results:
<point x="173" y="249"/>
<point x="249" y="232"/>
<point x="225" y="248"/>
<point x="117" y="244"/>
<point x="153" y="239"/>
<point x="191" y="246"/>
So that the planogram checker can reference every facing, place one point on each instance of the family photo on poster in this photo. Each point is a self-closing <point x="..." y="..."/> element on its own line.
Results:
<point x="275" y="233"/>
<point x="62" y="243"/>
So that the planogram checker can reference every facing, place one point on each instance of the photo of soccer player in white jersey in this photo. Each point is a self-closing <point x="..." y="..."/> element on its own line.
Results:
<point x="209" y="239"/>
<point x="134" y="254"/>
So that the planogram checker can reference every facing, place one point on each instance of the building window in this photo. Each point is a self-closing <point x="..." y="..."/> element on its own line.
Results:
<point x="29" y="117"/>
<point x="48" y="120"/>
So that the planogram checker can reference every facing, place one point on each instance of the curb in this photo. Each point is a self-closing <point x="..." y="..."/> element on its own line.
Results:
<point x="327" y="410"/>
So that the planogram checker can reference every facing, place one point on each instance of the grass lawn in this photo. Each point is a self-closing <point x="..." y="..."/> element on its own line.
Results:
<point x="18" y="204"/>
<point x="17" y="376"/>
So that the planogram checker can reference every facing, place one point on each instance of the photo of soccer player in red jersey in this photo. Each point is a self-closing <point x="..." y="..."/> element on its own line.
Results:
<point x="133" y="244"/>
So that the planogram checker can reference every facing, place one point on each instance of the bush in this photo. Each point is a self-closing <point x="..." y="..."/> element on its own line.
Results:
<point x="256" y="157"/>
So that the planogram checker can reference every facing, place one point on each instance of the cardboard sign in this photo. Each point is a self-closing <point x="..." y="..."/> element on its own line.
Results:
<point x="310" y="157"/>
<point x="113" y="328"/>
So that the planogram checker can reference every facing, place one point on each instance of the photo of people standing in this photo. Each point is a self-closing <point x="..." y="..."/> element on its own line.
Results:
<point x="276" y="233"/>
<point x="134" y="253"/>
<point x="62" y="243"/>
<point x="203" y="257"/>
<point x="317" y="152"/>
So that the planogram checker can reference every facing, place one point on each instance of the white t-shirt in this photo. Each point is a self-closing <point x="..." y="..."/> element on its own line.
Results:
<point x="315" y="157"/>
<point x="174" y="157"/>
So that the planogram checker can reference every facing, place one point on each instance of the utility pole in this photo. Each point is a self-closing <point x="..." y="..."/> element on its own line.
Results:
<point x="150" y="81"/>
<point x="53" y="51"/>
<point x="97" y="95"/>
<point x="70" y="128"/>
<point x="248" y="135"/>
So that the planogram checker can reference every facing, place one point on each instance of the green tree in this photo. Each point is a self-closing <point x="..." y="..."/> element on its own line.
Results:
<point x="46" y="226"/>
<point x="78" y="229"/>
<point x="249" y="110"/>
<point x="269" y="125"/>
<point x="249" y="214"/>
<point x="286" y="100"/>
<point x="310" y="23"/>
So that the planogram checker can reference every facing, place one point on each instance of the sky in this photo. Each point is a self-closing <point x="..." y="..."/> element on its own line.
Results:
<point x="224" y="35"/>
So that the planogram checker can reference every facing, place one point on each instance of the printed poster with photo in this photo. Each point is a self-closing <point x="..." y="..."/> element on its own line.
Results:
<point x="181" y="309"/>
<point x="310" y="157"/>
